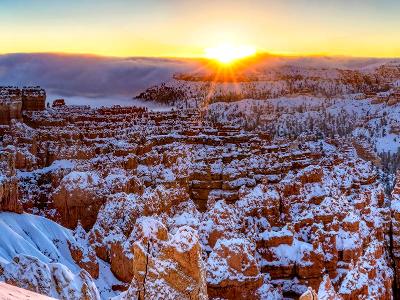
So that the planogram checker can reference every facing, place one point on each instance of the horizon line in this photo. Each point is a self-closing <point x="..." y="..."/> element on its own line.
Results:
<point x="194" y="57"/>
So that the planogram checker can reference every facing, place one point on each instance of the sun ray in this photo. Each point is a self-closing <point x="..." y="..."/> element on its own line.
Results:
<point x="226" y="53"/>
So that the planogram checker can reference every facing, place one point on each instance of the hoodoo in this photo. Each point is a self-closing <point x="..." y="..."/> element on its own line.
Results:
<point x="14" y="101"/>
<point x="180" y="205"/>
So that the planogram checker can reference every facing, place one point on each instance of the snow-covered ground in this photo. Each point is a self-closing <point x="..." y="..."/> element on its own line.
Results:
<point x="109" y="101"/>
<point x="26" y="235"/>
<point x="295" y="115"/>
<point x="8" y="292"/>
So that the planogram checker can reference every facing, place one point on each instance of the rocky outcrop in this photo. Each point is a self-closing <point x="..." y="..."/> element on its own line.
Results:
<point x="13" y="101"/>
<point x="309" y="295"/>
<point x="8" y="184"/>
<point x="327" y="291"/>
<point x="395" y="213"/>
<point x="77" y="199"/>
<point x="370" y="276"/>
<point x="33" y="99"/>
<point x="83" y="253"/>
<point x="177" y="206"/>
<point x="9" y="195"/>
<point x="37" y="254"/>
<point x="43" y="278"/>
<point x="232" y="270"/>
<point x="9" y="110"/>
<point x="166" y="267"/>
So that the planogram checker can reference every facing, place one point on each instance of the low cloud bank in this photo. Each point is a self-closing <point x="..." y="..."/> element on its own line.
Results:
<point x="89" y="76"/>
<point x="93" y="76"/>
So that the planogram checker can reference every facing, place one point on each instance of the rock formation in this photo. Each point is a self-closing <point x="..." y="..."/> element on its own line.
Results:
<point x="166" y="267"/>
<point x="8" y="183"/>
<point x="33" y="98"/>
<point x="177" y="206"/>
<point x="42" y="278"/>
<point x="14" y="101"/>
<point x="395" y="209"/>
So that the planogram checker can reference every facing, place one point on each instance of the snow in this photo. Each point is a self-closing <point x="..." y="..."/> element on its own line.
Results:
<point x="388" y="143"/>
<point x="346" y="240"/>
<point x="219" y="268"/>
<point x="184" y="239"/>
<point x="268" y="292"/>
<point x="270" y="234"/>
<point x="149" y="227"/>
<point x="8" y="292"/>
<point x="351" y="218"/>
<point x="35" y="236"/>
<point x="97" y="102"/>
<point x="184" y="219"/>
<point x="395" y="205"/>
<point x="81" y="180"/>
<point x="290" y="254"/>
<point x="315" y="190"/>
<point x="225" y="227"/>
<point x="56" y="165"/>
<point x="294" y="115"/>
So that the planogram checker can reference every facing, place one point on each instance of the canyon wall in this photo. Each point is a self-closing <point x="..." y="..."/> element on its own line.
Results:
<point x="179" y="206"/>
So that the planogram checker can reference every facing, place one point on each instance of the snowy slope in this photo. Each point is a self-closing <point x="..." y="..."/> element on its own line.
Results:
<point x="35" y="236"/>
<point x="8" y="292"/>
<point x="286" y="116"/>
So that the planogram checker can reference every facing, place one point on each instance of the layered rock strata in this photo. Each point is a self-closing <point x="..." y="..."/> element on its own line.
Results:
<point x="181" y="207"/>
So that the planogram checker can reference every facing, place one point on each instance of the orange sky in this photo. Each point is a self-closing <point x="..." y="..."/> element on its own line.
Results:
<point x="186" y="28"/>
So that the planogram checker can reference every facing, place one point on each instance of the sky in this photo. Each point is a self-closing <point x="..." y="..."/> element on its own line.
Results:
<point x="177" y="28"/>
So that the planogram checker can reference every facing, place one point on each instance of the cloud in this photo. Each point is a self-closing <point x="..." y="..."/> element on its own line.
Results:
<point x="95" y="76"/>
<point x="84" y="75"/>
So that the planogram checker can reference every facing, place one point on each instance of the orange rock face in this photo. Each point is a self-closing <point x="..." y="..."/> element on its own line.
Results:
<point x="33" y="99"/>
<point x="8" y="184"/>
<point x="395" y="212"/>
<point x="83" y="254"/>
<point x="9" y="110"/>
<point x="77" y="200"/>
<point x="13" y="101"/>
<point x="121" y="261"/>
<point x="9" y="195"/>
<point x="170" y="268"/>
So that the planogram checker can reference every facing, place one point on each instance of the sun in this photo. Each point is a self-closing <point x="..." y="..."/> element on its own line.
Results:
<point x="226" y="53"/>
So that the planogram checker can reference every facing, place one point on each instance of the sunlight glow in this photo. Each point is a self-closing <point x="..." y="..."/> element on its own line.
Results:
<point x="227" y="53"/>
